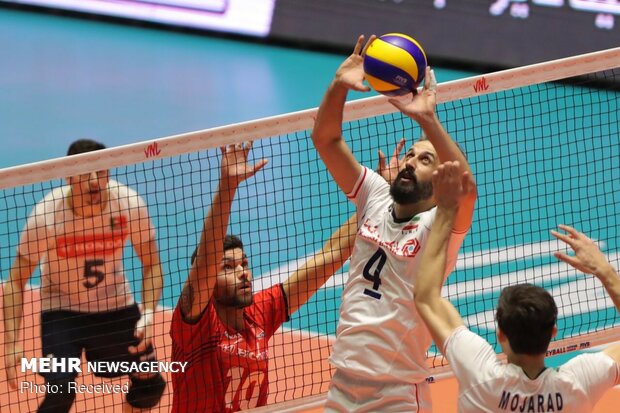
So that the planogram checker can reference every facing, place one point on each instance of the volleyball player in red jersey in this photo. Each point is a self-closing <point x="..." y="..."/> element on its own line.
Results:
<point x="219" y="327"/>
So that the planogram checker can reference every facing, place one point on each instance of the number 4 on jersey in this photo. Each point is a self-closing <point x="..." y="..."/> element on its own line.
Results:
<point x="372" y="272"/>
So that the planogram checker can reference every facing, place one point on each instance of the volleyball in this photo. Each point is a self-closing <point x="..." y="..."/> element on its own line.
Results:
<point x="394" y="64"/>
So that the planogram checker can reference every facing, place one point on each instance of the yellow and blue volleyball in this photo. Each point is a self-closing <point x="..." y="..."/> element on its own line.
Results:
<point x="394" y="64"/>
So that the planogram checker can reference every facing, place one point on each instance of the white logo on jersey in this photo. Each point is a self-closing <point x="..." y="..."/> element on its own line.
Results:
<point x="409" y="249"/>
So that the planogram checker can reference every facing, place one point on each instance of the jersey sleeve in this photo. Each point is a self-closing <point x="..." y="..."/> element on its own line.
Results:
<point x="368" y="185"/>
<point x="270" y="308"/>
<point x="597" y="373"/>
<point x="471" y="358"/>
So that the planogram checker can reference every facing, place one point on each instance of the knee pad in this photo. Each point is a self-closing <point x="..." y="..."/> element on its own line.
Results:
<point x="58" y="398"/>
<point x="145" y="393"/>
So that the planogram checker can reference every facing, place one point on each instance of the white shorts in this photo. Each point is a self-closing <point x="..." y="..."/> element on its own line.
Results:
<point x="350" y="393"/>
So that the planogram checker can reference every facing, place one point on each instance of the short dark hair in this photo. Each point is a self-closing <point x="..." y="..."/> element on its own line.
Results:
<point x="230" y="242"/>
<point x="526" y="314"/>
<point x="83" y="146"/>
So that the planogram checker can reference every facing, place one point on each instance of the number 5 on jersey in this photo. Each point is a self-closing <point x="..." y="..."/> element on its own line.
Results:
<point x="92" y="274"/>
<point x="372" y="272"/>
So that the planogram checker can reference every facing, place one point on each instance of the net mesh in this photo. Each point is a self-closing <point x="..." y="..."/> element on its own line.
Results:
<point x="542" y="154"/>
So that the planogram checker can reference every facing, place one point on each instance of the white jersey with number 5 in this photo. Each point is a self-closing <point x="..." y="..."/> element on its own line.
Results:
<point x="380" y="334"/>
<point x="488" y="385"/>
<point x="82" y="257"/>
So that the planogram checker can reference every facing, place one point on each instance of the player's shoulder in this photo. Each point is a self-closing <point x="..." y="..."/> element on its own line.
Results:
<point x="53" y="200"/>
<point x="57" y="194"/>
<point x="119" y="189"/>
<point x="124" y="193"/>
<point x="373" y="178"/>
<point x="585" y="362"/>
<point x="268" y="295"/>
<point x="429" y="213"/>
<point x="263" y="300"/>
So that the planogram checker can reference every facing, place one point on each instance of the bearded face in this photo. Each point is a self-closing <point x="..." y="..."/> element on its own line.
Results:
<point x="234" y="280"/>
<point x="407" y="189"/>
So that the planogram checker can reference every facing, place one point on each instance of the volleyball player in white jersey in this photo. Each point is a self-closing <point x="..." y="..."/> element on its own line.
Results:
<point x="526" y="318"/>
<point x="77" y="233"/>
<point x="380" y="348"/>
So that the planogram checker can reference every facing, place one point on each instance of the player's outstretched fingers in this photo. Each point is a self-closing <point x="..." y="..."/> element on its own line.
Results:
<point x="359" y="45"/>
<point x="370" y="40"/>
<point x="568" y="239"/>
<point x="468" y="184"/>
<point x="432" y="80"/>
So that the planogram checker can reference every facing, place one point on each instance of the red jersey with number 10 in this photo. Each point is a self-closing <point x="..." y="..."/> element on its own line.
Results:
<point x="226" y="370"/>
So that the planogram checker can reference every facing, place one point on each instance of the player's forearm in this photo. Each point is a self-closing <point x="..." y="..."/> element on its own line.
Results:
<point x="611" y="281"/>
<point x="438" y="314"/>
<point x="12" y="309"/>
<point x="343" y="238"/>
<point x="316" y="271"/>
<point x="13" y="296"/>
<point x="433" y="262"/>
<point x="211" y="245"/>
<point x="328" y="124"/>
<point x="446" y="148"/>
<point x="152" y="285"/>
<point x="337" y="250"/>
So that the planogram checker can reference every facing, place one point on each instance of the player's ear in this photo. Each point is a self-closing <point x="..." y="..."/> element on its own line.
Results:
<point x="554" y="332"/>
<point x="501" y="337"/>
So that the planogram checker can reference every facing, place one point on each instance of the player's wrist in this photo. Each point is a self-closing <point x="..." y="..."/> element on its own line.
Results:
<point x="445" y="216"/>
<point x="229" y="183"/>
<point x="147" y="312"/>
<point x="607" y="274"/>
<point x="427" y="120"/>
<point x="339" y="84"/>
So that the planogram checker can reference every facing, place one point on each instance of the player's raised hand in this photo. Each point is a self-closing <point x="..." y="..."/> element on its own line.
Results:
<point x="235" y="166"/>
<point x="588" y="257"/>
<point x="450" y="185"/>
<point x="422" y="105"/>
<point x="13" y="354"/>
<point x="350" y="74"/>
<point x="390" y="170"/>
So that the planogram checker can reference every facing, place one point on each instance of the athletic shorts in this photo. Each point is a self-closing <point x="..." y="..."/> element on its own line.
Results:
<point x="103" y="336"/>
<point x="351" y="393"/>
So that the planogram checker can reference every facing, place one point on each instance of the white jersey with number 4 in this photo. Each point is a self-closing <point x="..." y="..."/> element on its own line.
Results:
<point x="82" y="257"/>
<point x="380" y="334"/>
<point x="488" y="385"/>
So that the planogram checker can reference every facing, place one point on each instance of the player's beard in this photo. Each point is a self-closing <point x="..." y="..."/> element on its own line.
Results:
<point x="235" y="300"/>
<point x="405" y="193"/>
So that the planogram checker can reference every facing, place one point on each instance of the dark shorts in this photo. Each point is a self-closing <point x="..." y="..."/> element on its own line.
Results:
<point x="102" y="336"/>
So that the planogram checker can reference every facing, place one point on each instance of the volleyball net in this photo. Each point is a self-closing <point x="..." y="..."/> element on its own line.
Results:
<point x="543" y="142"/>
